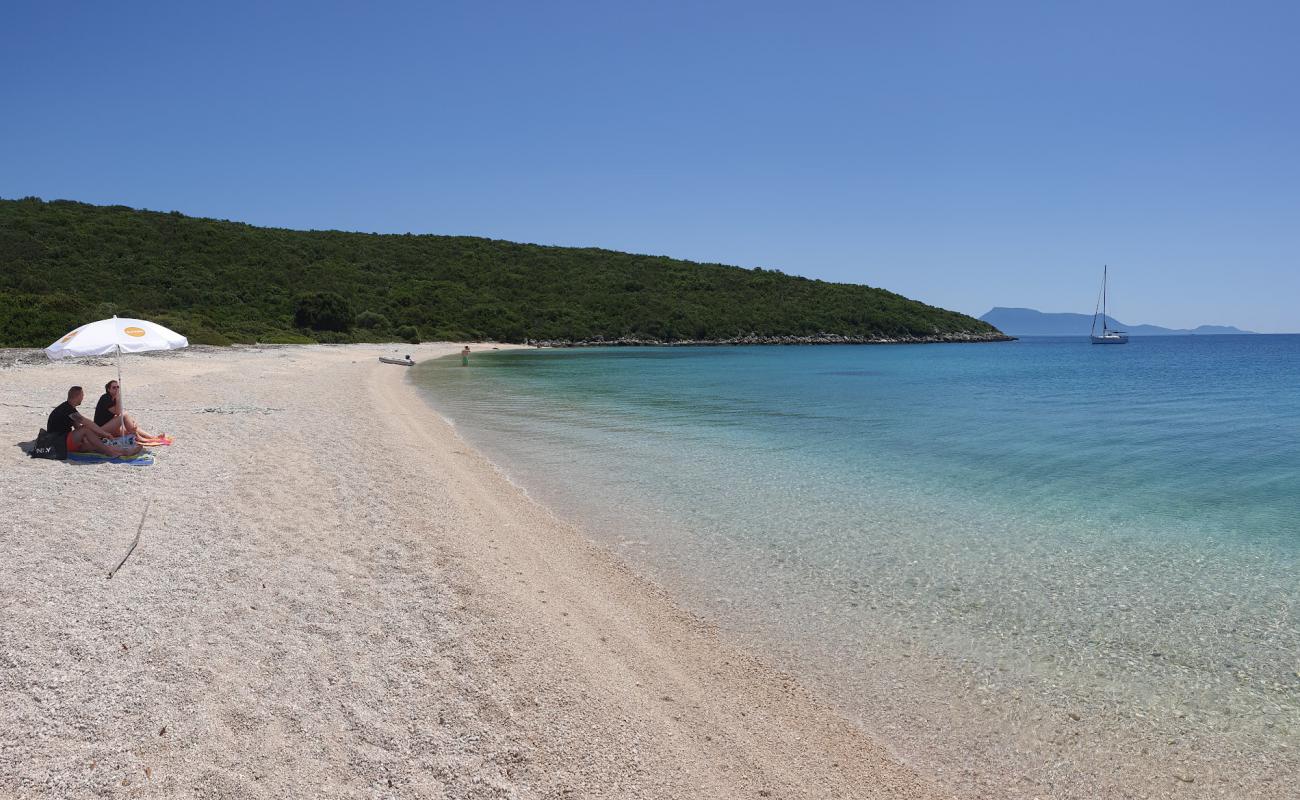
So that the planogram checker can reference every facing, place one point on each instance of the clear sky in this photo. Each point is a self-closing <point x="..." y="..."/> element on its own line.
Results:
<point x="968" y="154"/>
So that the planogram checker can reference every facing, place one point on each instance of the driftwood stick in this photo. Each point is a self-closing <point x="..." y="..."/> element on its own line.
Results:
<point x="134" y="541"/>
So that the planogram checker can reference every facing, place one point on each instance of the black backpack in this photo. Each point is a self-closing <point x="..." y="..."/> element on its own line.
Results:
<point x="50" y="445"/>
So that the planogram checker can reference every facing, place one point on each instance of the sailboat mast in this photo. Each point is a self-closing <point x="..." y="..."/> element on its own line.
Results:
<point x="1104" y="270"/>
<point x="1096" y="309"/>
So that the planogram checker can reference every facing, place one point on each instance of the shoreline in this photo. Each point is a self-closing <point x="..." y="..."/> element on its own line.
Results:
<point x="754" y="339"/>
<point x="334" y="593"/>
<point x="984" y="704"/>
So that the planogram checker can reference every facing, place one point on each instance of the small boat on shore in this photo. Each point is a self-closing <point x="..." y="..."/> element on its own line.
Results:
<point x="401" y="362"/>
<point x="1107" y="336"/>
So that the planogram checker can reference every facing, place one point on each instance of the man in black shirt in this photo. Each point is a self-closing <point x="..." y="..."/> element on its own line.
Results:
<point x="83" y="435"/>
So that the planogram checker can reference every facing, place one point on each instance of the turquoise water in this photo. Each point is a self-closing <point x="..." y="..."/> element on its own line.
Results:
<point x="1040" y="568"/>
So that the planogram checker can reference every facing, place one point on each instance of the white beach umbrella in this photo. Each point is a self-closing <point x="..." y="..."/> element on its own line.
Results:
<point x="116" y="336"/>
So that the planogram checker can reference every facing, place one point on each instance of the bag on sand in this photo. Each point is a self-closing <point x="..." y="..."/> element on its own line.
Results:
<point x="50" y="445"/>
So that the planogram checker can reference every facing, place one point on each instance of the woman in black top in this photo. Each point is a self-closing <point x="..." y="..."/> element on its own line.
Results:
<point x="104" y="408"/>
<point x="107" y="417"/>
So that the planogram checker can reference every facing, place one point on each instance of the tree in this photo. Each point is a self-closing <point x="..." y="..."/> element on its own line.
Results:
<point x="372" y="321"/>
<point x="322" y="311"/>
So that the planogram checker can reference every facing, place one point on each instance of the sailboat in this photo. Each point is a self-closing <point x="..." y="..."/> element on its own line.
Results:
<point x="1108" y="336"/>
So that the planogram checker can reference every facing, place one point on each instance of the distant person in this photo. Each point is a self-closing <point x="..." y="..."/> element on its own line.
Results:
<point x="464" y="357"/>
<point x="82" y="435"/>
<point x="109" y="416"/>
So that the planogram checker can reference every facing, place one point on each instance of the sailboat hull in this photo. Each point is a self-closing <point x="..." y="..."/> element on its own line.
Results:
<point x="1112" y="339"/>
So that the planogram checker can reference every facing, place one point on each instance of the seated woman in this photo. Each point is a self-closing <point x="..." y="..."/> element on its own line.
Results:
<point x="109" y="417"/>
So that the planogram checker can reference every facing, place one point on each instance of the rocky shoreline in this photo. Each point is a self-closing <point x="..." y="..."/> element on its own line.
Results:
<point x="818" y="338"/>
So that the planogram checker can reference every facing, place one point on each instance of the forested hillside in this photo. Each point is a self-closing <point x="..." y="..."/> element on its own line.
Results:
<point x="63" y="263"/>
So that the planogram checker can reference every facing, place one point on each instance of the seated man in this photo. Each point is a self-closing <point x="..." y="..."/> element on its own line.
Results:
<point x="109" y="416"/>
<point x="83" y="436"/>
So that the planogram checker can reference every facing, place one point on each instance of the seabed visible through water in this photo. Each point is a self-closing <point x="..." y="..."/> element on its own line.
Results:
<point x="1034" y="569"/>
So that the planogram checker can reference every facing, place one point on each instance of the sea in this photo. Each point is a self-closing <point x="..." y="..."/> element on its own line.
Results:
<point x="1038" y="568"/>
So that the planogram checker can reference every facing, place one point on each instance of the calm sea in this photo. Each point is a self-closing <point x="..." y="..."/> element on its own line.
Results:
<point x="1040" y="568"/>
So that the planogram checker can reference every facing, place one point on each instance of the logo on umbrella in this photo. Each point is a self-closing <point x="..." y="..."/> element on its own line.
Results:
<point x="68" y="338"/>
<point x="133" y="331"/>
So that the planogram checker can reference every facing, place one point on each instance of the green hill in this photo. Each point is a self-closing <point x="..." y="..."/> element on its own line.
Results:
<point x="63" y="263"/>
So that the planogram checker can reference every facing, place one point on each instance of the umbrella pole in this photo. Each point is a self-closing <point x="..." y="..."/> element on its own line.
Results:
<point x="121" y="405"/>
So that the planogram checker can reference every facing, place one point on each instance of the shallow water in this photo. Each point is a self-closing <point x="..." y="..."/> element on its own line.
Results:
<point x="1040" y="568"/>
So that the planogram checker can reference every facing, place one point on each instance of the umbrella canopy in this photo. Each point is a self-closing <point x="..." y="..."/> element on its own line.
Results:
<point x="116" y="335"/>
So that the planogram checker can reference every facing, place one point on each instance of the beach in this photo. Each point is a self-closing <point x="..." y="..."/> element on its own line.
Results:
<point x="334" y="596"/>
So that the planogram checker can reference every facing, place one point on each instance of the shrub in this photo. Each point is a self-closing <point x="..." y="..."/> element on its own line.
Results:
<point x="409" y="333"/>
<point x="372" y="321"/>
<point x="322" y="311"/>
<point x="284" y="337"/>
<point x="208" y="336"/>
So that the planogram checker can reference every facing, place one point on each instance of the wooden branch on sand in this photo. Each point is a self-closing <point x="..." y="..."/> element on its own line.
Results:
<point x="134" y="541"/>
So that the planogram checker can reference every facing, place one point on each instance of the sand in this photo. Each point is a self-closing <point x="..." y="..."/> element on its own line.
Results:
<point x="334" y="596"/>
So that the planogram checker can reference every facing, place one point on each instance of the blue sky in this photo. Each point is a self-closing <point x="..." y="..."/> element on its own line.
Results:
<point x="965" y="154"/>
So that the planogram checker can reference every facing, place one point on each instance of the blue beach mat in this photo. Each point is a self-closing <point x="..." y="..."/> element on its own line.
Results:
<point x="138" y="460"/>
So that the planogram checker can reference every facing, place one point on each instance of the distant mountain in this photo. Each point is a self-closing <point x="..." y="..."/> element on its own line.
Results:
<point x="1029" y="322"/>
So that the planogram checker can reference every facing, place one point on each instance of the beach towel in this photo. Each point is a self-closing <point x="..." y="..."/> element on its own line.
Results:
<point x="144" y="459"/>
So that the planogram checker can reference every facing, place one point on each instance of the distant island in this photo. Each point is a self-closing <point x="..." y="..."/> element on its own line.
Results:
<point x="63" y="263"/>
<point x="1029" y="322"/>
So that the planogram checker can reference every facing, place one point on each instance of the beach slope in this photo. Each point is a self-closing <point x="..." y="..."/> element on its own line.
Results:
<point x="334" y="596"/>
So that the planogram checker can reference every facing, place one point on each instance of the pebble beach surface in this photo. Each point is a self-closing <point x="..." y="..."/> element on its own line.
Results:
<point x="334" y="596"/>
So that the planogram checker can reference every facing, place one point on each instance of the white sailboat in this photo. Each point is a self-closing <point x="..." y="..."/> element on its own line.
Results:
<point x="1108" y="336"/>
